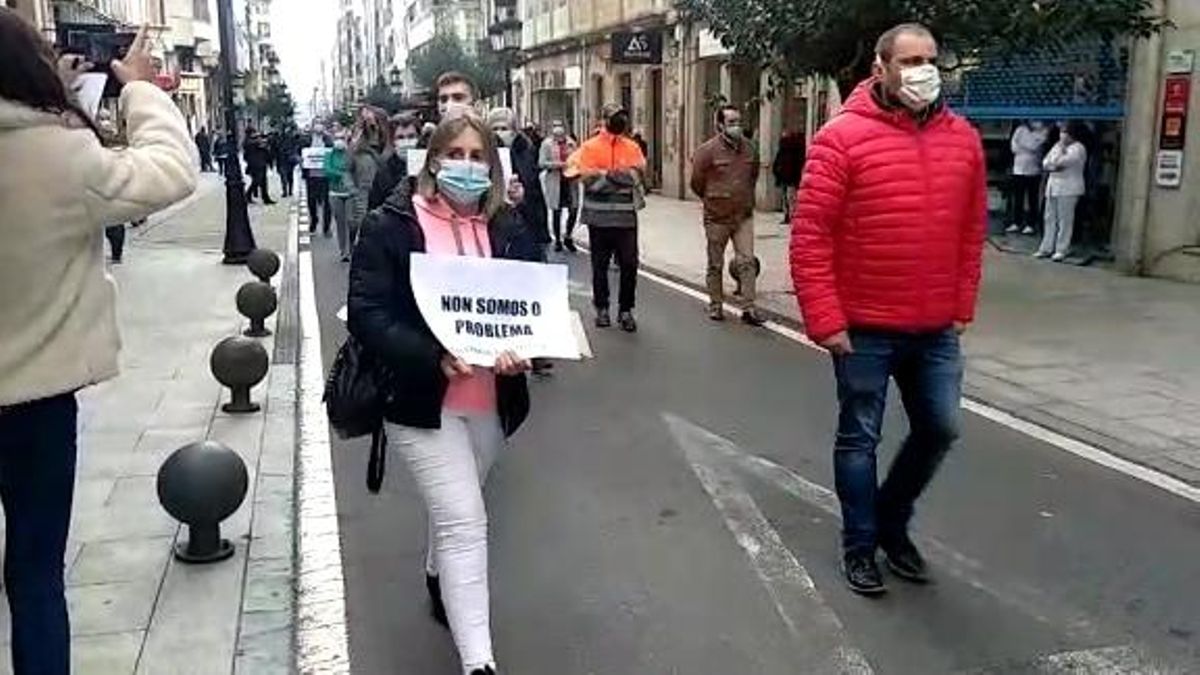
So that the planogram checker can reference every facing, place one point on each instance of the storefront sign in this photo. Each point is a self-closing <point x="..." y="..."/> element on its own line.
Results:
<point x="641" y="47"/>
<point x="572" y="77"/>
<point x="1176" y="94"/>
<point x="479" y="308"/>
<point x="1180" y="61"/>
<point x="1168" y="168"/>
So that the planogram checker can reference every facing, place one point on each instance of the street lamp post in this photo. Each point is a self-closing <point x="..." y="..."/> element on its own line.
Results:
<point x="239" y="239"/>
<point x="505" y="36"/>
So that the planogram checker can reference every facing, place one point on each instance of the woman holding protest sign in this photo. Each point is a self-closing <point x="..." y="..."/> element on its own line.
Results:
<point x="447" y="419"/>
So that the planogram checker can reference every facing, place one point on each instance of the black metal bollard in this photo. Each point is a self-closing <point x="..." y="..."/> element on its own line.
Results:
<point x="239" y="363"/>
<point x="256" y="300"/>
<point x="200" y="485"/>
<point x="263" y="263"/>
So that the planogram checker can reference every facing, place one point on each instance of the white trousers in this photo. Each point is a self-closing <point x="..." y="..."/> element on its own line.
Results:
<point x="450" y="465"/>
<point x="1060" y="225"/>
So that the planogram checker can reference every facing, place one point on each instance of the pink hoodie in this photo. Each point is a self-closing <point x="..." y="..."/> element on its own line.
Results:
<point x="477" y="393"/>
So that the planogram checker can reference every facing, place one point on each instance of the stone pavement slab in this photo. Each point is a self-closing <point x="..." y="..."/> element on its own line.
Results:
<point x="1109" y="359"/>
<point x="134" y="608"/>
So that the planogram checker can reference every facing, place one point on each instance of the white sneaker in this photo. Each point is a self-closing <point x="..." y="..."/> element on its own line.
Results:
<point x="1059" y="257"/>
<point x="1027" y="230"/>
<point x="1012" y="228"/>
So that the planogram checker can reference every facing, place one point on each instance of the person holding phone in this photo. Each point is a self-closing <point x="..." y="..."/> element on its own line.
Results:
<point x="58" y="330"/>
<point x="447" y="419"/>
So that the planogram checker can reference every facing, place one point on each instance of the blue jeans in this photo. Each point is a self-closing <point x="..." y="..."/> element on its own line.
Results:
<point x="928" y="370"/>
<point x="37" y="480"/>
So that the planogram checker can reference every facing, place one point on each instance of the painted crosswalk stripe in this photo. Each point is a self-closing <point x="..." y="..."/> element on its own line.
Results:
<point x="819" y="635"/>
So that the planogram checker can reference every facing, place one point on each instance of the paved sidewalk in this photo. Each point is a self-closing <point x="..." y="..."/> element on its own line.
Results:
<point x="1111" y="360"/>
<point x="135" y="609"/>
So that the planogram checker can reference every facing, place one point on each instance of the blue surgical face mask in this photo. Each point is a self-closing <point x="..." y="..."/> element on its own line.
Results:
<point x="463" y="182"/>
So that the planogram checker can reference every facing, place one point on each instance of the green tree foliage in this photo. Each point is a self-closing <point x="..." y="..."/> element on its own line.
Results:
<point x="381" y="96"/>
<point x="444" y="53"/>
<point x="836" y="38"/>
<point x="277" y="107"/>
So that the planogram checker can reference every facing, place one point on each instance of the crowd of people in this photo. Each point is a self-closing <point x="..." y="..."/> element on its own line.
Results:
<point x="885" y="287"/>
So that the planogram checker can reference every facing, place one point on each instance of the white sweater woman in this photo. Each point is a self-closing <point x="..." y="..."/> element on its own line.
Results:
<point x="1065" y="184"/>
<point x="58" y="333"/>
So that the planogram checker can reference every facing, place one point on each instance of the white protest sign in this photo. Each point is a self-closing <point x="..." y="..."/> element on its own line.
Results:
<point x="313" y="158"/>
<point x="89" y="89"/>
<point x="478" y="308"/>
<point x="416" y="162"/>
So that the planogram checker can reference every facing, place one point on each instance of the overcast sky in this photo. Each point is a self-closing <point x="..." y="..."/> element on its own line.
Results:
<point x="303" y="33"/>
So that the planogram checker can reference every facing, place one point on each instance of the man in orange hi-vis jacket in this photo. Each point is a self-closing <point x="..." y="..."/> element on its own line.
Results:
<point x="611" y="166"/>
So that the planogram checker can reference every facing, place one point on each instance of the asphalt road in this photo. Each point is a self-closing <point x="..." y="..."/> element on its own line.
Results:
<point x="666" y="510"/>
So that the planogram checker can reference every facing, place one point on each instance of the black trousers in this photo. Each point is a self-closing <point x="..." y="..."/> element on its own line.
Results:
<point x="572" y="216"/>
<point x="318" y="198"/>
<point x="1024" y="201"/>
<point x="258" y="184"/>
<point x="116" y="240"/>
<point x="287" y="178"/>
<point x="206" y="163"/>
<point x="605" y="243"/>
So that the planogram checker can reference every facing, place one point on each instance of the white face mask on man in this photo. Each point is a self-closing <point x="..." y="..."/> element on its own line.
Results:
<point x="922" y="84"/>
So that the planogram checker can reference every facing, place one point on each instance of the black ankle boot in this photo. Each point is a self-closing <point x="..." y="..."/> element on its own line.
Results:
<point x="436" y="608"/>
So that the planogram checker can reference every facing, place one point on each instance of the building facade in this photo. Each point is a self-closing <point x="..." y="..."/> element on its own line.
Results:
<point x="1157" y="230"/>
<point x="671" y="75"/>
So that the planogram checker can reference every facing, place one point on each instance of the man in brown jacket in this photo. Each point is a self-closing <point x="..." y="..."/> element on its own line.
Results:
<point x="724" y="171"/>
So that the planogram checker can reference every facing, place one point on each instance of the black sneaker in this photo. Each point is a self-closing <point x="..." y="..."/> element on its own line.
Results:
<point x="716" y="312"/>
<point x="436" y="608"/>
<point x="570" y="245"/>
<point x="862" y="574"/>
<point x="558" y="247"/>
<point x="904" y="560"/>
<point x="628" y="323"/>
<point x="486" y="670"/>
<point x="751" y="318"/>
<point x="603" y="320"/>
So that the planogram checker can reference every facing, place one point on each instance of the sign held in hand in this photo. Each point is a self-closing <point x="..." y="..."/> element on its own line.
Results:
<point x="478" y="308"/>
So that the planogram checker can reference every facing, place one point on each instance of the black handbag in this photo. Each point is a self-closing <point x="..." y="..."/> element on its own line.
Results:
<point x="377" y="464"/>
<point x="355" y="392"/>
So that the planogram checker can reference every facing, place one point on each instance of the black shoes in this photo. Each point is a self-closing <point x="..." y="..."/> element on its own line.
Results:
<point x="436" y="608"/>
<point x="486" y="670"/>
<point x="716" y="312"/>
<point x="558" y="247"/>
<point x="628" y="323"/>
<point x="570" y="244"/>
<point x="862" y="574"/>
<point x="603" y="320"/>
<point x="904" y="560"/>
<point x="753" y="319"/>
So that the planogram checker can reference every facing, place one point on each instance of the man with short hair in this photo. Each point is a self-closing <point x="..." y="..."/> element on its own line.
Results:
<point x="886" y="253"/>
<point x="724" y="172"/>
<point x="456" y="93"/>
<point x="611" y="166"/>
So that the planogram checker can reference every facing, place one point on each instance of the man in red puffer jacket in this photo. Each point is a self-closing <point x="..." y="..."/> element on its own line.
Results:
<point x="887" y="240"/>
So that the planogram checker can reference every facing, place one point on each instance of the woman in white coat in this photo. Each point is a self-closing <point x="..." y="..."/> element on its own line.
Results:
<point x="1065" y="185"/>
<point x="58" y="330"/>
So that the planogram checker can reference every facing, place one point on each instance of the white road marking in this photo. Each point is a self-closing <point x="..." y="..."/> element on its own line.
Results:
<point x="1103" y="661"/>
<point x="818" y="632"/>
<point x="321" y="638"/>
<point x="1076" y="447"/>
<point x="714" y="459"/>
<point x="1030" y="601"/>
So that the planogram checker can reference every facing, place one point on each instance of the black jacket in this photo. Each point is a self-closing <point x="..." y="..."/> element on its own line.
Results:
<point x="384" y="317"/>
<point x="533" y="206"/>
<point x="257" y="154"/>
<point x="390" y="173"/>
